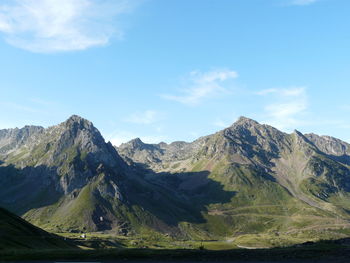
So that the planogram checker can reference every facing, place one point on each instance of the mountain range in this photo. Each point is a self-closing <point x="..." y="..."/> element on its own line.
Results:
<point x="244" y="182"/>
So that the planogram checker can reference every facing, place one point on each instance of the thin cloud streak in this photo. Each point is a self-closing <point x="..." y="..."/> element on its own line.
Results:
<point x="19" y="107"/>
<point x="303" y="2"/>
<point x="202" y="86"/>
<point x="288" y="108"/>
<point x="146" y="117"/>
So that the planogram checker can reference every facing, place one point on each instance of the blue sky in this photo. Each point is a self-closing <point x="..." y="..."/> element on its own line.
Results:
<point x="176" y="69"/>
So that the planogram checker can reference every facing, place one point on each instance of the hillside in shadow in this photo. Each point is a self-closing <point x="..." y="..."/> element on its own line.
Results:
<point x="170" y="198"/>
<point x="178" y="197"/>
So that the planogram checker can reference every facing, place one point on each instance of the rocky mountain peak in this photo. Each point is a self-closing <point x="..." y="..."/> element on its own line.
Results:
<point x="244" y="121"/>
<point x="245" y="128"/>
<point x="81" y="135"/>
<point x="61" y="145"/>
<point x="77" y="129"/>
<point x="69" y="154"/>
<point x="78" y="122"/>
<point x="136" y="143"/>
<point x="133" y="145"/>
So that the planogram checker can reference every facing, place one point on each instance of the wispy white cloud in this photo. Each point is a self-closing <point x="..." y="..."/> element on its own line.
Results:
<point x="287" y="108"/>
<point x="18" y="107"/>
<point x="146" y="117"/>
<point x="225" y="121"/>
<point x="297" y="91"/>
<point x="220" y="123"/>
<point x="345" y="107"/>
<point x="61" y="25"/>
<point x="41" y="102"/>
<point x="203" y="85"/>
<point x="303" y="2"/>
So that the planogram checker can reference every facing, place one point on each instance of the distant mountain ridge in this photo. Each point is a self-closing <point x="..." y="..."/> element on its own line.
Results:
<point x="243" y="180"/>
<point x="11" y="139"/>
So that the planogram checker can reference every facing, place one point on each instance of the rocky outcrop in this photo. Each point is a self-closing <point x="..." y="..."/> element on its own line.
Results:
<point x="329" y="145"/>
<point x="12" y="139"/>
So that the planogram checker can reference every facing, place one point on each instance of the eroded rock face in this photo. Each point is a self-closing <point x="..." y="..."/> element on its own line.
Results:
<point x="329" y="145"/>
<point x="12" y="139"/>
<point x="110" y="189"/>
<point x="75" y="149"/>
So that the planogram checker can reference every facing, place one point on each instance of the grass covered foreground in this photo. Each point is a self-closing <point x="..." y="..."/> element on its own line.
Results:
<point x="325" y="251"/>
<point x="260" y="247"/>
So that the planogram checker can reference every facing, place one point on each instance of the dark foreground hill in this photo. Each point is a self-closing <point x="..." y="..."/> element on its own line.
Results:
<point x="16" y="233"/>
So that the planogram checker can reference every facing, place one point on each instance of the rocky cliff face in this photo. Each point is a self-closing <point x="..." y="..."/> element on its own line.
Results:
<point x="154" y="154"/>
<point x="335" y="149"/>
<point x="12" y="139"/>
<point x="329" y="145"/>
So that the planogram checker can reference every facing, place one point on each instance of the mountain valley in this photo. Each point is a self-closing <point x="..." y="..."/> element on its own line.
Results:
<point x="250" y="184"/>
